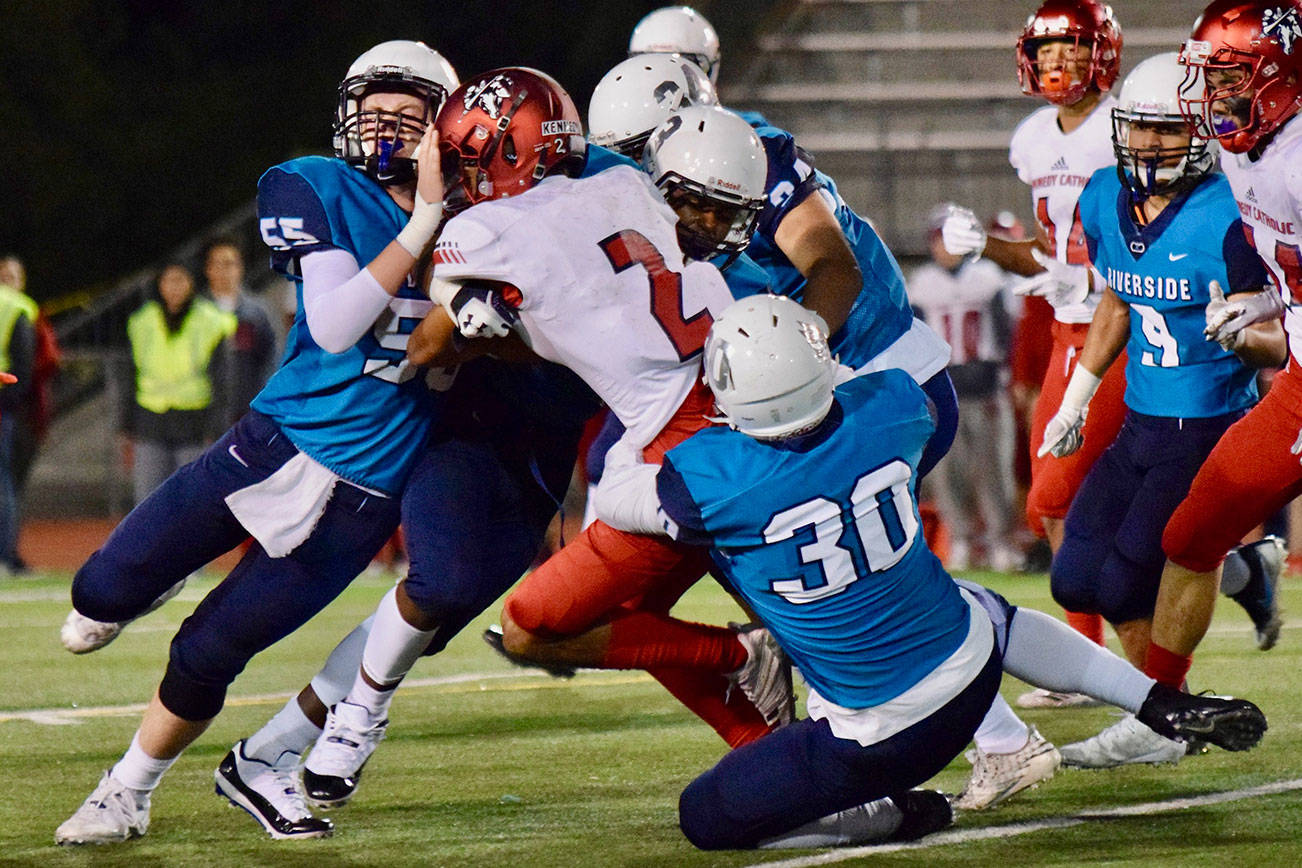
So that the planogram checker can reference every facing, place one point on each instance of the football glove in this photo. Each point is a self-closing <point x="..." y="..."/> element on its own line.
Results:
<point x="962" y="233"/>
<point x="481" y="313"/>
<point x="1227" y="320"/>
<point x="1065" y="431"/>
<point x="1059" y="284"/>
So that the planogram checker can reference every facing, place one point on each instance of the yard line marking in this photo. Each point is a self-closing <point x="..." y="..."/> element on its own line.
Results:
<point x="471" y="682"/>
<point x="963" y="836"/>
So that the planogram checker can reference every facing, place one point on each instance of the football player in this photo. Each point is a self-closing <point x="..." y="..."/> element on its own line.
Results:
<point x="1166" y="242"/>
<point x="678" y="30"/>
<point x="587" y="271"/>
<point x="313" y="472"/>
<point x="680" y="156"/>
<point x="1068" y="54"/>
<point x="808" y="500"/>
<point x="1244" y="89"/>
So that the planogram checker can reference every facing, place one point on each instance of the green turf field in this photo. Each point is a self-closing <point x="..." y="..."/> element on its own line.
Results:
<point x="501" y="768"/>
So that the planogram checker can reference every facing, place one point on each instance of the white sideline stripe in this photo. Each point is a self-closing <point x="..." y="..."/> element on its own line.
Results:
<point x="963" y="836"/>
<point x="589" y="678"/>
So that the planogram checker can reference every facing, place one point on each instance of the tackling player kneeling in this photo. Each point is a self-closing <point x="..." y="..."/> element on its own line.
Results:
<point x="808" y="502"/>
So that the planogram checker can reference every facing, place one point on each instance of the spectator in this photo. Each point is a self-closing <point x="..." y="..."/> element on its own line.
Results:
<point x="253" y="353"/>
<point x="177" y="354"/>
<point x="17" y="355"/>
<point x="965" y="302"/>
<point x="32" y="416"/>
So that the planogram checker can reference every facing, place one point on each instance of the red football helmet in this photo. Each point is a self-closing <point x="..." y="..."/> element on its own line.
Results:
<point x="1083" y="23"/>
<point x="503" y="131"/>
<point x="1245" y="70"/>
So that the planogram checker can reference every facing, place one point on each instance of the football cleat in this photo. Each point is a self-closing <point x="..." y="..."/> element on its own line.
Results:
<point x="1229" y="723"/>
<point x="997" y="777"/>
<point x="335" y="764"/>
<point x="1260" y="598"/>
<point x="924" y="812"/>
<point x="1042" y="698"/>
<point x="270" y="794"/>
<point x="82" y="635"/>
<point x="493" y="636"/>
<point x="1128" y="741"/>
<point x="110" y="814"/>
<point x="765" y="677"/>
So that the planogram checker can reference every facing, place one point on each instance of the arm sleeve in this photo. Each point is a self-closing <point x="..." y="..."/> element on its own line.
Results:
<point x="678" y="510"/>
<point x="1243" y="267"/>
<point x="341" y="300"/>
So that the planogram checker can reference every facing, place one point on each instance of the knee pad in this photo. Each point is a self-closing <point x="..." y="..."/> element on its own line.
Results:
<point x="104" y="592"/>
<point x="188" y="697"/>
<point x="1073" y="588"/>
<point x="200" y="666"/>
<point x="700" y="822"/>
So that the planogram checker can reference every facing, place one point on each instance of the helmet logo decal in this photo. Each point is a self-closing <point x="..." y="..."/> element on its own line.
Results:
<point x="1282" y="25"/>
<point x="490" y="95"/>
<point x="668" y="93"/>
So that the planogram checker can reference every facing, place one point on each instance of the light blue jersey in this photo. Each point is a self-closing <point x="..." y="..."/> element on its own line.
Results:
<point x="881" y="313"/>
<point x="1162" y="271"/>
<point x="821" y="535"/>
<point x="364" y="413"/>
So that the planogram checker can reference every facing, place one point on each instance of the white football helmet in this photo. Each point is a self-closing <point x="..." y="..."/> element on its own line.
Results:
<point x="770" y="369"/>
<point x="678" y="30"/>
<point x="1150" y="95"/>
<point x="709" y="158"/>
<point x="399" y="65"/>
<point x="638" y="94"/>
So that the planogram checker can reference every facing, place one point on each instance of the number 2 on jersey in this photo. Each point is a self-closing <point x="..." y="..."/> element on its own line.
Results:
<point x="846" y="544"/>
<point x="627" y="248"/>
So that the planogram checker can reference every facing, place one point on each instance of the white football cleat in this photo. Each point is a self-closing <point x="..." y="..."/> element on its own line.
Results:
<point x="1125" y="742"/>
<point x="997" y="777"/>
<point x="110" y="814"/>
<point x="82" y="635"/>
<point x="335" y="764"/>
<point x="270" y="793"/>
<point x="765" y="677"/>
<point x="1042" y="698"/>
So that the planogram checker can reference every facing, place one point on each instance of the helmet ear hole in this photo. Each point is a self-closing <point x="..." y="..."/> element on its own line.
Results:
<point x="508" y="150"/>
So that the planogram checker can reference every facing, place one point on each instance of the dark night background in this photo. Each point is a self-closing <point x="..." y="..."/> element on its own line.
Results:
<point x="128" y="125"/>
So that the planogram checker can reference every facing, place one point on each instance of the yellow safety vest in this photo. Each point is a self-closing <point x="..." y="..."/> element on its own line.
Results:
<point x="13" y="304"/>
<point x="172" y="367"/>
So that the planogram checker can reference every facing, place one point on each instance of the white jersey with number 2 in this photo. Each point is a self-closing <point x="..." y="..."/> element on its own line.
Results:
<point x="1056" y="166"/>
<point x="603" y="288"/>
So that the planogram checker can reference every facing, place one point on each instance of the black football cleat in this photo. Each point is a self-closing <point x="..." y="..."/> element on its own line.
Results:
<point x="1229" y="723"/>
<point x="925" y="811"/>
<point x="269" y="793"/>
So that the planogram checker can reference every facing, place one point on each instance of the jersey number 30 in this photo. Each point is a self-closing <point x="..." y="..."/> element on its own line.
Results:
<point x="837" y="545"/>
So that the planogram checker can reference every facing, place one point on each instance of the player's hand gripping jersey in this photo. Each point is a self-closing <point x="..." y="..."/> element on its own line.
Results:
<point x="363" y="413"/>
<point x="1269" y="195"/>
<point x="601" y="284"/>
<point x="1057" y="166"/>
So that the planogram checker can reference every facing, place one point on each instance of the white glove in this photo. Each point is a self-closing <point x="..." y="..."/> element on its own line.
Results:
<point x="1227" y="320"/>
<point x="1064" y="435"/>
<point x="478" y="318"/>
<point x="1059" y="284"/>
<point x="962" y="233"/>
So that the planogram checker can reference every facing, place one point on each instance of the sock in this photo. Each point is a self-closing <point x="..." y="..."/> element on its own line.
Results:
<point x="336" y="676"/>
<point x="289" y="730"/>
<point x="1088" y="624"/>
<point x="873" y="821"/>
<point x="391" y="650"/>
<point x="644" y="640"/>
<point x="1166" y="666"/>
<point x="1236" y="572"/>
<point x="1045" y="652"/>
<point x="138" y="770"/>
<point x="735" y="719"/>
<point x="1001" y="730"/>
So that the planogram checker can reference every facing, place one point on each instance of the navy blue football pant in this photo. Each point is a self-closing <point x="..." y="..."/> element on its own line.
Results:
<point x="802" y="772"/>
<point x="184" y="524"/>
<point x="1111" y="557"/>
